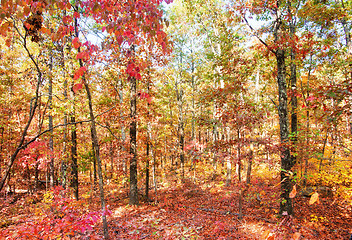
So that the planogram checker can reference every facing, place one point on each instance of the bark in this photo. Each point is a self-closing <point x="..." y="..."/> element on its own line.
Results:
<point x="239" y="164"/>
<point x="307" y="134"/>
<point x="65" y="155"/>
<point x="286" y="206"/>
<point x="249" y="168"/>
<point x="95" y="141"/>
<point x="148" y="150"/>
<point x="293" y="80"/>
<point x="74" y="165"/>
<point x="154" y="177"/>
<point x="181" y="133"/>
<point x="286" y="161"/>
<point x="133" y="144"/>
<point x="123" y="134"/>
<point x="94" y="162"/>
<point x="51" y="138"/>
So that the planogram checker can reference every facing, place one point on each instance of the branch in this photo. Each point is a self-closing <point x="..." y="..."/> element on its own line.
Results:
<point x="62" y="125"/>
<point x="256" y="35"/>
<point x="104" y="126"/>
<point x="273" y="102"/>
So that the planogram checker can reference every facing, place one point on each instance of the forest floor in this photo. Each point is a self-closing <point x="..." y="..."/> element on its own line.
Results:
<point x="198" y="210"/>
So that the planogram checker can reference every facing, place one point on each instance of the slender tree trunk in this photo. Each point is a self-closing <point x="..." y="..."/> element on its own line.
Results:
<point x="94" y="162"/>
<point x="148" y="149"/>
<point x="228" y="171"/>
<point x="74" y="165"/>
<point x="249" y="168"/>
<point x="64" y="150"/>
<point x="133" y="144"/>
<point x="179" y="95"/>
<point x="51" y="137"/>
<point x="307" y="134"/>
<point x="95" y="143"/>
<point x="293" y="80"/>
<point x="239" y="161"/>
<point x="123" y="134"/>
<point x="154" y="177"/>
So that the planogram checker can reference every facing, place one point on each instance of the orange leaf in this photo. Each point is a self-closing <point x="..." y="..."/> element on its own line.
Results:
<point x="296" y="236"/>
<point x="26" y="10"/>
<point x="67" y="19"/>
<point x="293" y="192"/>
<point x="314" y="198"/>
<point x="76" y="43"/>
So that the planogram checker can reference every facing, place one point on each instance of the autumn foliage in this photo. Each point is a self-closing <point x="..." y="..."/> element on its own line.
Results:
<point x="151" y="119"/>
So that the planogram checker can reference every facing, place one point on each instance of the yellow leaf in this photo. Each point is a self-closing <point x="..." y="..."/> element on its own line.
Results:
<point x="293" y="192"/>
<point x="314" y="198"/>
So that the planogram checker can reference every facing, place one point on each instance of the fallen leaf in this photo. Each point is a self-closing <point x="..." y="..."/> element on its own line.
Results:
<point x="293" y="192"/>
<point x="314" y="198"/>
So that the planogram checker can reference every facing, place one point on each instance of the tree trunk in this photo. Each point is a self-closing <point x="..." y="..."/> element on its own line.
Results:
<point x="148" y="149"/>
<point x="133" y="144"/>
<point x="51" y="137"/>
<point x="74" y="165"/>
<point x="64" y="150"/>
<point x="123" y="134"/>
<point x="249" y="168"/>
<point x="293" y="79"/>
<point x="181" y="133"/>
<point x="228" y="171"/>
<point x="286" y="206"/>
<point x="95" y="141"/>
<point x="239" y="163"/>
<point x="154" y="177"/>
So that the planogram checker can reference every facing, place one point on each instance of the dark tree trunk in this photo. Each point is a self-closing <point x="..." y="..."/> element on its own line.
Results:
<point x="51" y="138"/>
<point x="74" y="165"/>
<point x="148" y="150"/>
<point x="249" y="168"/>
<point x="286" y="207"/>
<point x="286" y="161"/>
<point x="293" y="80"/>
<point x="181" y="132"/>
<point x="133" y="144"/>
<point x="64" y="150"/>
<point x="94" y="162"/>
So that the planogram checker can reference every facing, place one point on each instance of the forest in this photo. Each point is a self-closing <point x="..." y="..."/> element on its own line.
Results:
<point x="175" y="119"/>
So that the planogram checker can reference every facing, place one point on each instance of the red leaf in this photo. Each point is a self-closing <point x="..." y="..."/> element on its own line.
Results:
<point x="79" y="73"/>
<point x="83" y="55"/>
<point x="76" y="15"/>
<point x="76" y="43"/>
<point x="77" y="87"/>
<point x="67" y="19"/>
